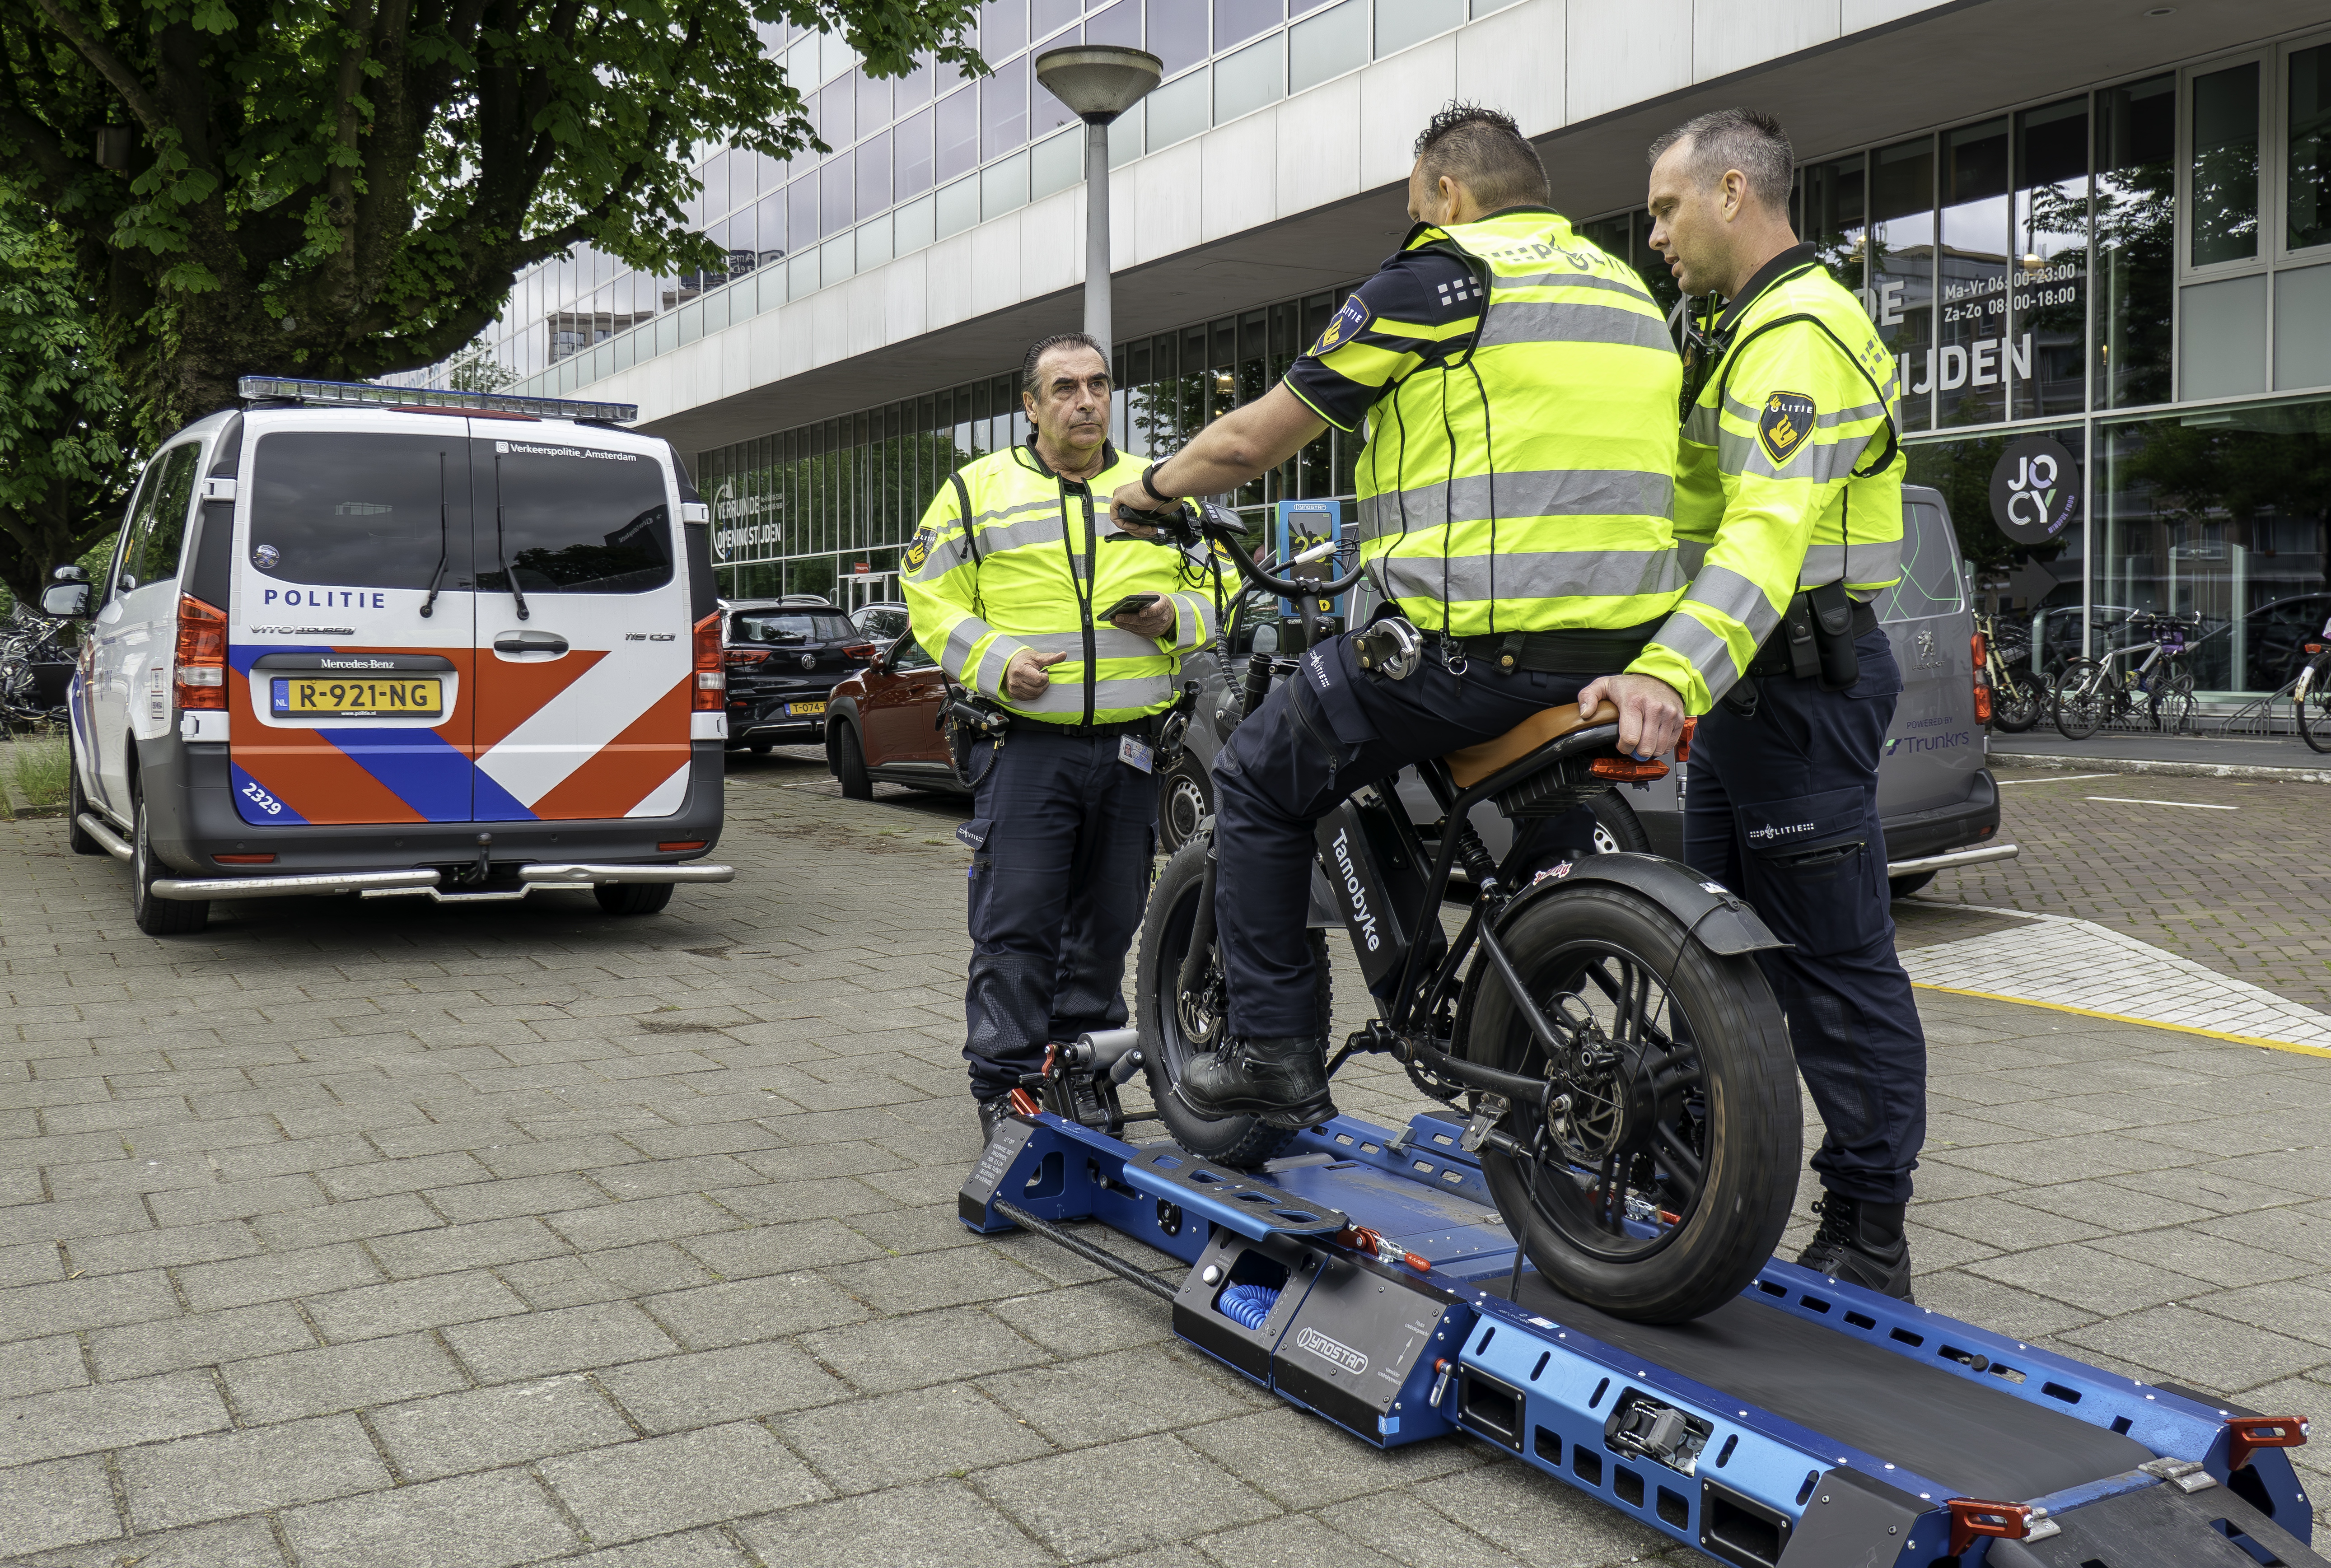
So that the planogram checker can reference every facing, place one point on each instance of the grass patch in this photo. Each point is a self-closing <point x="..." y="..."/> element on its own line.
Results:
<point x="37" y="767"/>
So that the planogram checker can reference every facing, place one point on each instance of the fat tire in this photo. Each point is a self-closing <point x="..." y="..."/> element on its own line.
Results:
<point x="1617" y="818"/>
<point x="1754" y="1143"/>
<point x="631" y="897"/>
<point x="1242" y="1143"/>
<point x="77" y="838"/>
<point x="2077" y="717"/>
<point x="156" y="916"/>
<point x="847" y="759"/>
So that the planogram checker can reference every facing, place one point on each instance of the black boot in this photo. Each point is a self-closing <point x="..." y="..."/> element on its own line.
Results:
<point x="1860" y="1243"/>
<point x="1283" y="1081"/>
<point x="993" y="1111"/>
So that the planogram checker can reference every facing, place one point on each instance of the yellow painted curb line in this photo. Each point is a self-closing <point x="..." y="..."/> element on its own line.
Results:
<point x="2290" y="1046"/>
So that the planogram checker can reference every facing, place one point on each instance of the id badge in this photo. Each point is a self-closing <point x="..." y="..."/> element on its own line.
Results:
<point x="1134" y="751"/>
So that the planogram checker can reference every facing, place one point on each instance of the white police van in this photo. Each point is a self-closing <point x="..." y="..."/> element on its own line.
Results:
<point x="395" y="642"/>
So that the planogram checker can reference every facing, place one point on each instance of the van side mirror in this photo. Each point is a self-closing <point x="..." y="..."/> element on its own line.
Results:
<point x="66" y="601"/>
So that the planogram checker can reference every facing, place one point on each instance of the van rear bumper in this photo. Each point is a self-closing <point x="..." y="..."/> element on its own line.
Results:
<point x="189" y="796"/>
<point x="1917" y="836"/>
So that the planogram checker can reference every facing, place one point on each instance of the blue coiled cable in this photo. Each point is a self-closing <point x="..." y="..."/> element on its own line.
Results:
<point x="1248" y="1305"/>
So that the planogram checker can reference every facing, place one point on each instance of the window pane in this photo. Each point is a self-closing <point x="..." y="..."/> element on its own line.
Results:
<point x="1610" y="234"/>
<point x="362" y="510"/>
<point x="1002" y="28"/>
<point x="836" y="120"/>
<point x="1046" y="114"/>
<point x="958" y="132"/>
<point x="1400" y="22"/>
<point x="837" y="205"/>
<point x="2310" y="148"/>
<point x="873" y="102"/>
<point x="1326" y="45"/>
<point x="1254" y="77"/>
<point x="1974" y="282"/>
<point x="1120" y="23"/>
<point x="874" y="174"/>
<point x="1902" y="272"/>
<point x="1236" y="20"/>
<point x="770" y="218"/>
<point x="2047" y="346"/>
<point x="1836" y="220"/>
<point x="1177" y="111"/>
<point x="1047" y="17"/>
<point x="1177" y="33"/>
<point x="1003" y="110"/>
<point x="715" y="178"/>
<point x="910" y="156"/>
<point x="2135" y="214"/>
<point x="2225" y="171"/>
<point x="801" y="213"/>
<point x="914" y="90"/>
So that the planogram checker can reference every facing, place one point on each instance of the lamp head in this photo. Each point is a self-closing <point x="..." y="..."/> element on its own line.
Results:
<point x="1099" y="81"/>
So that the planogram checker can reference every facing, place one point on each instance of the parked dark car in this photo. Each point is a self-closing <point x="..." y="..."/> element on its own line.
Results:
<point x="884" y="622"/>
<point x="783" y="659"/>
<point x="883" y="722"/>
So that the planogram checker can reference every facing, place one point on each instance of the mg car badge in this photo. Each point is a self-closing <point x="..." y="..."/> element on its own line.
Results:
<point x="265" y="557"/>
<point x="809" y="661"/>
<point x="1787" y="420"/>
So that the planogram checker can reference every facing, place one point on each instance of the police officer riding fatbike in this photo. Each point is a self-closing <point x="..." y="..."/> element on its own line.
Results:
<point x="1789" y="510"/>
<point x="1067" y="634"/>
<point x="1519" y="388"/>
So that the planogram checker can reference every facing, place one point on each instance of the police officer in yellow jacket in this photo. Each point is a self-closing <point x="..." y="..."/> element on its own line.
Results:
<point x="1072" y="630"/>
<point x="1519" y="387"/>
<point x="1789" y="512"/>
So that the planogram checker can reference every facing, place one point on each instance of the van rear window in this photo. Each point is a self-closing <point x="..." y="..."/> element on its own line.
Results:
<point x="359" y="510"/>
<point x="570" y="520"/>
<point x="1930" y="568"/>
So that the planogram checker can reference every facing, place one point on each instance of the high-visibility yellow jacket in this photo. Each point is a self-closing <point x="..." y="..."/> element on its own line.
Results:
<point x="1787" y="474"/>
<point x="1523" y="481"/>
<point x="1036" y="569"/>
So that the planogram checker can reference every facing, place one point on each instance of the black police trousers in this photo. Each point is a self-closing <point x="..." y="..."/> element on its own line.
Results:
<point x="1063" y="834"/>
<point x="1283" y="771"/>
<point x="1781" y="807"/>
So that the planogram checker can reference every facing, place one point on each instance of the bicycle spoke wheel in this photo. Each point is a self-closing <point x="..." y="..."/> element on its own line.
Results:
<point x="2312" y="700"/>
<point x="2081" y="699"/>
<point x="2016" y="703"/>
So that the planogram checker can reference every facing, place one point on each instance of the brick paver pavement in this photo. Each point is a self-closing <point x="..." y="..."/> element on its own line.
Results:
<point x="358" y="1233"/>
<point x="2246" y="892"/>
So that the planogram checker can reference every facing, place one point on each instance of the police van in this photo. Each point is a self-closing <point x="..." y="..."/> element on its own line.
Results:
<point x="381" y="641"/>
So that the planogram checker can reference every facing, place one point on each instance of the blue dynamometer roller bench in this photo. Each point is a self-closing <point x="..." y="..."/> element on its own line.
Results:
<point x="1366" y="1277"/>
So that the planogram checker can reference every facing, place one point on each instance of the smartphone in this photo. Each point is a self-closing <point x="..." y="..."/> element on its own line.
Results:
<point x="1131" y="603"/>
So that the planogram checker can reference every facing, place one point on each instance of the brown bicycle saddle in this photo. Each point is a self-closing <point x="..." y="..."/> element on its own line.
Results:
<point x="1471" y="764"/>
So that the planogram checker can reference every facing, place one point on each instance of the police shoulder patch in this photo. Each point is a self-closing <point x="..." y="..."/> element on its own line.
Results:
<point x="1785" y="424"/>
<point x="919" y="550"/>
<point x="1348" y="324"/>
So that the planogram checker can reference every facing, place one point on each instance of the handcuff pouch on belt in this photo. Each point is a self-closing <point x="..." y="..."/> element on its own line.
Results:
<point x="1814" y="641"/>
<point x="968" y="720"/>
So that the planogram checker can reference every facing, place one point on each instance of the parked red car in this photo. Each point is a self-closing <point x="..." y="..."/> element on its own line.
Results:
<point x="882" y="723"/>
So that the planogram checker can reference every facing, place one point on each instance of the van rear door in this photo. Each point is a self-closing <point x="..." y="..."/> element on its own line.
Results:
<point x="350" y="680"/>
<point x="1935" y="747"/>
<point x="584" y="661"/>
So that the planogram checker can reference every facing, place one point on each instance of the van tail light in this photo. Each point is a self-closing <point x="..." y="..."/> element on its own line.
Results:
<point x="201" y="679"/>
<point x="1981" y="695"/>
<point x="1981" y="653"/>
<point x="711" y="683"/>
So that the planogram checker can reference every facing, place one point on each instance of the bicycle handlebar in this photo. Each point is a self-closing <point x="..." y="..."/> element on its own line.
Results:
<point x="1212" y="522"/>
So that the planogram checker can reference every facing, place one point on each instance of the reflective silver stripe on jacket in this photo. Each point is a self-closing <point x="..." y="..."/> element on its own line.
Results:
<point x="1702" y="649"/>
<point x="1726" y="592"/>
<point x="1570" y="280"/>
<point x="1571" y="321"/>
<point x="1540" y="575"/>
<point x="1821" y="463"/>
<point x="1870" y="561"/>
<point x="1525" y="493"/>
<point x="1109" y="641"/>
<point x="1068" y="697"/>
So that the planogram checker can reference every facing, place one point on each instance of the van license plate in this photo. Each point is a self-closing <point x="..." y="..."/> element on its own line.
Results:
<point x="305" y="697"/>
<point x="804" y="709"/>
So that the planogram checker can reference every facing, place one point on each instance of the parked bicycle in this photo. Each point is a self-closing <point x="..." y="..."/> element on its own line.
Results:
<point x="33" y="654"/>
<point x="2018" y="696"/>
<point x="2312" y="695"/>
<point x="1601" y="1029"/>
<point x="2147" y="678"/>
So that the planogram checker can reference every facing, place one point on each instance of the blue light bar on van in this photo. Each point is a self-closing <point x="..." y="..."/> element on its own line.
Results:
<point x="367" y="394"/>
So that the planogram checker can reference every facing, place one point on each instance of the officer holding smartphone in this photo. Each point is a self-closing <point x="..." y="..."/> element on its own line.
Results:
<point x="1068" y="634"/>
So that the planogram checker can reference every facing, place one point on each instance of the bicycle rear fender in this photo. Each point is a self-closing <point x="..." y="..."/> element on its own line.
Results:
<point x="1721" y="920"/>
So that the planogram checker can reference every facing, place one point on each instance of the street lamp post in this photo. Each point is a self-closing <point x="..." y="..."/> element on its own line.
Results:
<point x="1099" y="82"/>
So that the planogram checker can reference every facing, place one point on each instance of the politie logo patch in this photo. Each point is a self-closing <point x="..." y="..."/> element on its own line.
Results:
<point x="920" y="550"/>
<point x="1347" y="324"/>
<point x="1786" y="422"/>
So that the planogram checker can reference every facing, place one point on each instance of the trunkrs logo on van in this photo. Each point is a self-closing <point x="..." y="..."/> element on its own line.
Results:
<point x="1334" y="1351"/>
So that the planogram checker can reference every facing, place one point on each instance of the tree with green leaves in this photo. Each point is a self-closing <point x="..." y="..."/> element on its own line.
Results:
<point x="64" y="439"/>
<point x="346" y="190"/>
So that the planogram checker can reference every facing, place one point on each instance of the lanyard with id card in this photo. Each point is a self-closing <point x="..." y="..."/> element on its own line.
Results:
<point x="1134" y="752"/>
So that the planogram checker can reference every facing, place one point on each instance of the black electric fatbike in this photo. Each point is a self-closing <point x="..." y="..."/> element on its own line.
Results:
<point x="1601" y="1029"/>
